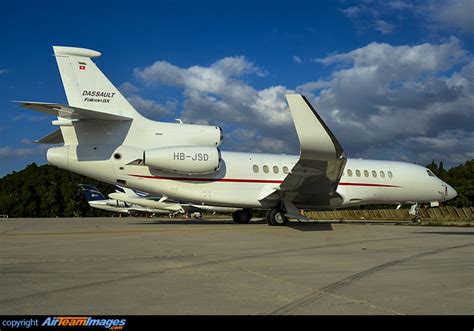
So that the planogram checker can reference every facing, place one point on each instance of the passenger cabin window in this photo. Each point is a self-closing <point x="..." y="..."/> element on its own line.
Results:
<point x="357" y="173"/>
<point x="430" y="173"/>
<point x="275" y="169"/>
<point x="366" y="173"/>
<point x="349" y="172"/>
<point x="389" y="174"/>
<point x="265" y="169"/>
<point x="285" y="170"/>
<point x="374" y="173"/>
<point x="255" y="168"/>
<point x="382" y="174"/>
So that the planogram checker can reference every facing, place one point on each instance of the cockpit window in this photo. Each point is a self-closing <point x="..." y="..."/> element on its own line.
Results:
<point x="430" y="173"/>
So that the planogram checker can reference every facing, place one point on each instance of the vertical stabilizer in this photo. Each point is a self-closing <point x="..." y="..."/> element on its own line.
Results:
<point x="86" y="86"/>
<point x="91" y="193"/>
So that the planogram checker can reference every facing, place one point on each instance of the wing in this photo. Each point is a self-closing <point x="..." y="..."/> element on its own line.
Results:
<point x="313" y="181"/>
<point x="70" y="112"/>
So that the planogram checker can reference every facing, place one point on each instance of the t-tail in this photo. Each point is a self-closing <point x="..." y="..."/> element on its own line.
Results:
<point x="103" y="133"/>
<point x="91" y="193"/>
<point x="86" y="86"/>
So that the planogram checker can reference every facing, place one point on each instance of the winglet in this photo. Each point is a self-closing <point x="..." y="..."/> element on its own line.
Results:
<point x="317" y="142"/>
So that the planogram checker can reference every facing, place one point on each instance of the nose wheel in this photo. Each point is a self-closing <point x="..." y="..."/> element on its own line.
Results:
<point x="276" y="217"/>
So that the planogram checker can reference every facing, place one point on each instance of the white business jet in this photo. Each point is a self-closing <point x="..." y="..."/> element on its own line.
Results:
<point x="143" y="199"/>
<point x="105" y="138"/>
<point x="97" y="200"/>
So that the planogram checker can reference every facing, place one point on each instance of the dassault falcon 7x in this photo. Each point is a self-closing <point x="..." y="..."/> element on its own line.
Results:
<point x="105" y="138"/>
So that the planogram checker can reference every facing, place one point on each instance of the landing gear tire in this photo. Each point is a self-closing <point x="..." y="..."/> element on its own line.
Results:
<point x="242" y="216"/>
<point x="276" y="217"/>
<point x="267" y="216"/>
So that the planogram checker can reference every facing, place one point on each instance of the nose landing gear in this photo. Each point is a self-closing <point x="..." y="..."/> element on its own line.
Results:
<point x="415" y="213"/>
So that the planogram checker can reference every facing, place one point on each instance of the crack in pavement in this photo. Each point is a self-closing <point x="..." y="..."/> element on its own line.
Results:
<point x="321" y="293"/>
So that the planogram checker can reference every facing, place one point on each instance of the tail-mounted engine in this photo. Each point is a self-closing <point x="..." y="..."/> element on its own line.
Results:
<point x="196" y="160"/>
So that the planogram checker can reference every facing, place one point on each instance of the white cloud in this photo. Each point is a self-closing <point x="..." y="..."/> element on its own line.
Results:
<point x="351" y="12"/>
<point x="147" y="107"/>
<point x="409" y="61"/>
<point x="213" y="78"/>
<point x="381" y="101"/>
<point x="31" y="118"/>
<point x="384" y="27"/>
<point x="17" y="152"/>
<point x="375" y="15"/>
<point x="245" y="140"/>
<point x="26" y="141"/>
<point x="3" y="71"/>
<point x="152" y="108"/>
<point x="439" y="15"/>
<point x="218" y="94"/>
<point x="449" y="14"/>
<point x="297" y="59"/>
<point x="395" y="97"/>
<point x="399" y="5"/>
<point x="128" y="88"/>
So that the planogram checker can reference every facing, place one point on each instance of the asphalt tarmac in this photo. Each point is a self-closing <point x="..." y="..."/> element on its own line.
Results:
<point x="161" y="266"/>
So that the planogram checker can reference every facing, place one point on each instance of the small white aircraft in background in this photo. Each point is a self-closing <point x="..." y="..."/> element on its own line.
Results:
<point x="106" y="138"/>
<point x="96" y="199"/>
<point x="162" y="203"/>
<point x="127" y="201"/>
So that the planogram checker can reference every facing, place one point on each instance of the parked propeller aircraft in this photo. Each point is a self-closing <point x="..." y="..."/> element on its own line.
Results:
<point x="106" y="138"/>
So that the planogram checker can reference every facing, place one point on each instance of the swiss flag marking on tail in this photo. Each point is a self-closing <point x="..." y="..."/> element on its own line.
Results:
<point x="82" y="67"/>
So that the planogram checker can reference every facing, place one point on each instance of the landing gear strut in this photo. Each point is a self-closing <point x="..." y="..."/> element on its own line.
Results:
<point x="276" y="217"/>
<point x="415" y="213"/>
<point x="242" y="216"/>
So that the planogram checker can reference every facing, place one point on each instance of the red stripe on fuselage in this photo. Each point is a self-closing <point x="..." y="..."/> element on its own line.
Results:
<point x="241" y="180"/>
<point x="229" y="180"/>
<point x="366" y="184"/>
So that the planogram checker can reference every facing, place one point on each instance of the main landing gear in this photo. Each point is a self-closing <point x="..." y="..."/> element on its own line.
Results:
<point x="242" y="216"/>
<point x="276" y="217"/>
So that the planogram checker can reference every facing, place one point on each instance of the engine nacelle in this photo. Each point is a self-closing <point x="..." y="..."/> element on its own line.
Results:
<point x="169" y="134"/>
<point x="184" y="159"/>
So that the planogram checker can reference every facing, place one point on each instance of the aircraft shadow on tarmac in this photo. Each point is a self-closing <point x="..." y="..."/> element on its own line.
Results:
<point x="191" y="222"/>
<point x="306" y="226"/>
<point x="447" y="233"/>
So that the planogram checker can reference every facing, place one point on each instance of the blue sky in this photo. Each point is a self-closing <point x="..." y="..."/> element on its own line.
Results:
<point x="392" y="79"/>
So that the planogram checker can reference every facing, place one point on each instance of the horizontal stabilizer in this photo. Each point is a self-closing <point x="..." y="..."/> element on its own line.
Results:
<point x="55" y="137"/>
<point x="70" y="112"/>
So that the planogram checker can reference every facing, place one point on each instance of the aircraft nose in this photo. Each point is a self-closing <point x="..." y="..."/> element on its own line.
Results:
<point x="450" y="193"/>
